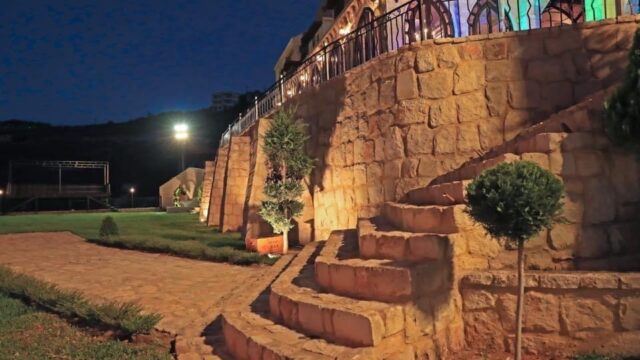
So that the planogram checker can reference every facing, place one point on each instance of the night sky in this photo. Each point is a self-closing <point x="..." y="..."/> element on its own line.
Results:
<point x="76" y="61"/>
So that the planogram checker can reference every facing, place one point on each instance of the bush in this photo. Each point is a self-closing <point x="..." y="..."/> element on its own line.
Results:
<point x="126" y="317"/>
<point x="108" y="228"/>
<point x="515" y="200"/>
<point x="622" y="110"/>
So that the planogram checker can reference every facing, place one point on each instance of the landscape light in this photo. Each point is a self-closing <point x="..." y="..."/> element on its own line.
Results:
<point x="1" y="192"/>
<point x="182" y="136"/>
<point x="181" y="127"/>
<point x="132" y="190"/>
<point x="181" y="131"/>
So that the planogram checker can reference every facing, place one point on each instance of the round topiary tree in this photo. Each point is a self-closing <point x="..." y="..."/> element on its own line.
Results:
<point x="284" y="146"/>
<point x="515" y="201"/>
<point x="622" y="110"/>
<point x="108" y="228"/>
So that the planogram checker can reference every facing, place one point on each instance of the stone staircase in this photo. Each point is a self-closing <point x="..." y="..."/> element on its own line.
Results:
<point x="389" y="289"/>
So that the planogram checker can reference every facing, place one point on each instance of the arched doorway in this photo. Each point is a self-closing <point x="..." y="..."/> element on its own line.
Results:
<point x="365" y="41"/>
<point x="485" y="18"/>
<point x="562" y="12"/>
<point x="435" y="17"/>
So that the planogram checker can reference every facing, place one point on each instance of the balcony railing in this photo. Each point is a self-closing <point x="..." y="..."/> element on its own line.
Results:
<point x="421" y="20"/>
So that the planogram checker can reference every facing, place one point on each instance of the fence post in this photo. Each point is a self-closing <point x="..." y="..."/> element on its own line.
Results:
<point x="281" y="89"/>
<point x="421" y="20"/>
<point x="256" y="100"/>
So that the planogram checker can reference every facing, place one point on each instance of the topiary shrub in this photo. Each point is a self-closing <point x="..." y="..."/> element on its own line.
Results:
<point x="284" y="146"/>
<point x="622" y="110"/>
<point x="515" y="201"/>
<point x="109" y="228"/>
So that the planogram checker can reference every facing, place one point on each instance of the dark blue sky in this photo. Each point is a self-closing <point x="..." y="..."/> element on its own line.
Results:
<point x="78" y="61"/>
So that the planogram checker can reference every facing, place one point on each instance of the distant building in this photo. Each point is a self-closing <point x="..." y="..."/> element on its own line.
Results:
<point x="224" y="100"/>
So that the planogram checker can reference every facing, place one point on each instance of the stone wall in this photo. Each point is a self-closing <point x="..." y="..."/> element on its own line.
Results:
<point x="407" y="117"/>
<point x="565" y="313"/>
<point x="207" y="183"/>
<point x="217" y="187"/>
<point x="254" y="225"/>
<point x="235" y="186"/>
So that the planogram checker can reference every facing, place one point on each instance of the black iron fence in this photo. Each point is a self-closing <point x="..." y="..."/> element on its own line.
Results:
<point x="420" y="20"/>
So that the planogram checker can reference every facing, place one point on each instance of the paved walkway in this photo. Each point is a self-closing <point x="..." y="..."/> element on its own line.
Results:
<point x="189" y="294"/>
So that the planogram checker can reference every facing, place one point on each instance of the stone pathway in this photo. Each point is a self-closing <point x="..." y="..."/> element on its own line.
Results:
<point x="189" y="294"/>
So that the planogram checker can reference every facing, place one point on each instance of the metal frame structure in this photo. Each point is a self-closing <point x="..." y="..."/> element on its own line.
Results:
<point x="420" y="20"/>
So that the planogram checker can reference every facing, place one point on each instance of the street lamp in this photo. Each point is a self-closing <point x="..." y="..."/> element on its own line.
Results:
<point x="181" y="133"/>
<point x="132" y="191"/>
<point x="1" y="196"/>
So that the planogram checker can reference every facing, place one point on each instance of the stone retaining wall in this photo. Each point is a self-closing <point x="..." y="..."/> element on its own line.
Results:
<point x="207" y="183"/>
<point x="235" y="187"/>
<point x="217" y="187"/>
<point x="407" y="117"/>
<point x="565" y="313"/>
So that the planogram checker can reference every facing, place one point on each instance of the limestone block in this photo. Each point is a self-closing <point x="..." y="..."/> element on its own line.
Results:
<point x="406" y="85"/>
<point x="585" y="315"/>
<point x="445" y="140"/>
<point x="387" y="94"/>
<point x="567" y="41"/>
<point x="393" y="320"/>
<point x="593" y="243"/>
<point x="600" y="203"/>
<point x="310" y="318"/>
<point x="559" y="281"/>
<point x="478" y="299"/>
<point x="443" y="112"/>
<point x="504" y="70"/>
<point x="600" y="38"/>
<point x="495" y="49"/>
<point x="563" y="236"/>
<point x="516" y="121"/>
<point x="419" y="140"/>
<point x="496" y="94"/>
<point x="357" y="330"/>
<point x="483" y="328"/>
<point x="392" y="247"/>
<point x="393" y="144"/>
<point x="468" y="76"/>
<point x="410" y="167"/>
<point x="542" y="313"/>
<point x="425" y="60"/>
<point x="425" y="247"/>
<point x="573" y="209"/>
<point x="491" y="132"/>
<point x="412" y="112"/>
<point x="471" y="107"/>
<point x="539" y="158"/>
<point x="545" y="71"/>
<point x="371" y="98"/>
<point x="447" y="56"/>
<point x="532" y="48"/>
<point x="630" y="313"/>
<point x="562" y="164"/>
<point x="468" y="138"/>
<point x="428" y="167"/>
<point x="557" y="95"/>
<point x="405" y="61"/>
<point x="436" y="84"/>
<point x="588" y="163"/>
<point x="524" y="94"/>
<point x="470" y="51"/>
<point x="393" y="169"/>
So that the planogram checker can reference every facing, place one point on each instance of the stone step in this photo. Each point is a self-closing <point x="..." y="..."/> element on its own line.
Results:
<point x="338" y="272"/>
<point x="297" y="302"/>
<point x="440" y="194"/>
<point x="377" y="240"/>
<point x="431" y="219"/>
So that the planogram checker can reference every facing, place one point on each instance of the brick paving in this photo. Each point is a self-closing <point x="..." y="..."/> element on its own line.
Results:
<point x="189" y="294"/>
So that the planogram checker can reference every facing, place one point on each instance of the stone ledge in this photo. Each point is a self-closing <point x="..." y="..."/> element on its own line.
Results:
<point x="550" y="280"/>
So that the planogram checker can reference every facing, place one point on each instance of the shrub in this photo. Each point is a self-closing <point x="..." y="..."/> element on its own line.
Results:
<point x="515" y="201"/>
<point x="109" y="228"/>
<point x="284" y="145"/>
<point x="622" y="110"/>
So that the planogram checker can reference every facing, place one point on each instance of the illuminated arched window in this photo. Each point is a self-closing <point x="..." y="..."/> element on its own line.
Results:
<point x="365" y="39"/>
<point x="435" y="17"/>
<point x="562" y="12"/>
<point x="336" y="60"/>
<point x="316" y="75"/>
<point x="485" y="18"/>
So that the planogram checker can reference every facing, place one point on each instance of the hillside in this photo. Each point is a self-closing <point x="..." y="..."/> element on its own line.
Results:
<point x="142" y="151"/>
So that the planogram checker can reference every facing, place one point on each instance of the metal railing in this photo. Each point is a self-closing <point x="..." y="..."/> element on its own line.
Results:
<point x="420" y="20"/>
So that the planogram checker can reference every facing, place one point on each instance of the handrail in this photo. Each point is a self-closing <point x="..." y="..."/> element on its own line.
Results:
<point x="421" y="20"/>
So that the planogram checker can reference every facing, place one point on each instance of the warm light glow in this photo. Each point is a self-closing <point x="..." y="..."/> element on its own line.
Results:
<point x="132" y="190"/>
<point x="345" y="30"/>
<point x="182" y="136"/>
<point x="320" y="58"/>
<point x="181" y="127"/>
<point x="1" y="192"/>
<point x="181" y="131"/>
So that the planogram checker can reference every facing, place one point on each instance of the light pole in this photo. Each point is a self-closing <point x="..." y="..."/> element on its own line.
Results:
<point x="181" y="133"/>
<point x="1" y="196"/>
<point x="131" y="192"/>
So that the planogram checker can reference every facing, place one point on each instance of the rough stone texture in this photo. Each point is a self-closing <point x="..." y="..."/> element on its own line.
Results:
<point x="235" y="187"/>
<point x="207" y="183"/>
<point x="569" y="313"/>
<point x="217" y="187"/>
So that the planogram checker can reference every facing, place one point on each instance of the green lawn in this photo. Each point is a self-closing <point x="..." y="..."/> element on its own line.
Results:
<point x="177" y="234"/>
<point x="27" y="333"/>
